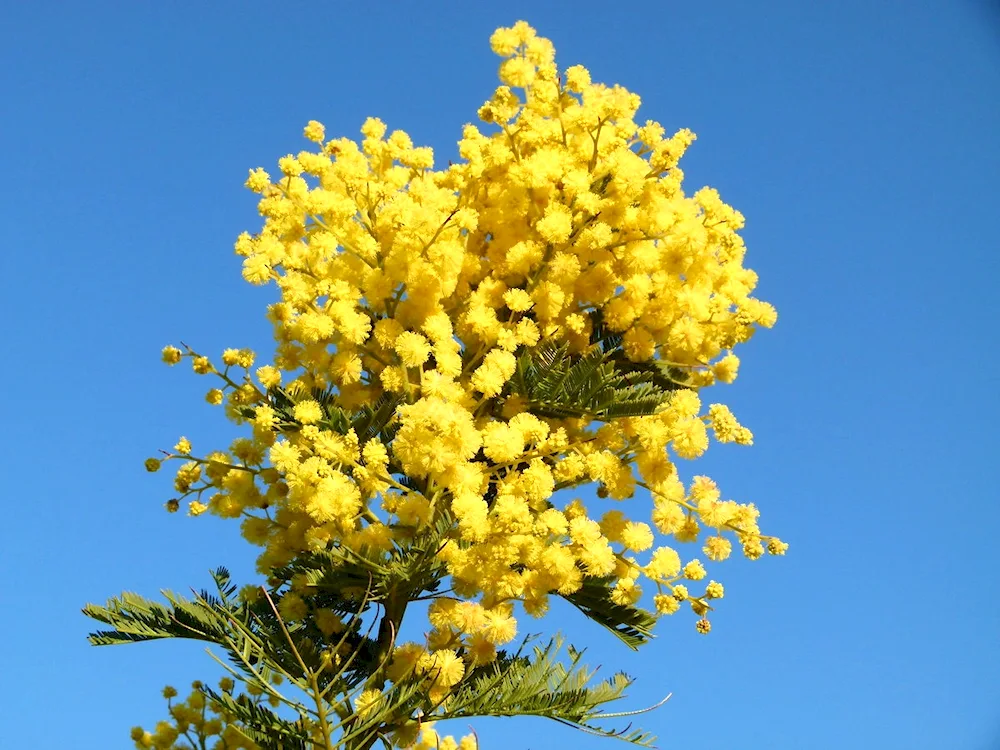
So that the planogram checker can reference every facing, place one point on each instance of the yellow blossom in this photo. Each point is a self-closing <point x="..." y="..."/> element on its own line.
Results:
<point x="308" y="412"/>
<point x="314" y="131"/>
<point x="694" y="571"/>
<point x="666" y="605"/>
<point x="714" y="590"/>
<point x="726" y="368"/>
<point x="367" y="702"/>
<point x="412" y="348"/>
<point x="717" y="548"/>
<point x="171" y="355"/>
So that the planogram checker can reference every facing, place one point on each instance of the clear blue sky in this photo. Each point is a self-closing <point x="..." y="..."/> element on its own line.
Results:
<point x="858" y="137"/>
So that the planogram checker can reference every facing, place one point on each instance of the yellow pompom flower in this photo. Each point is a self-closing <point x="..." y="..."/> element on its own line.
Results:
<point x="258" y="181"/>
<point x="293" y="607"/>
<point x="367" y="703"/>
<point x="496" y="369"/>
<point x="637" y="536"/>
<point x="308" y="412"/>
<point x="499" y="628"/>
<point x="444" y="667"/>
<point x="665" y="563"/>
<point x="717" y="548"/>
<point x="694" y="571"/>
<point x="726" y="368"/>
<point x="690" y="439"/>
<point x="412" y="348"/>
<point x="557" y="224"/>
<point x="518" y="300"/>
<point x="314" y="131"/>
<point x="196" y="508"/>
<point x="666" y="604"/>
<point x="230" y="357"/>
<point x="776" y="547"/>
<point x="171" y="355"/>
<point x="202" y="365"/>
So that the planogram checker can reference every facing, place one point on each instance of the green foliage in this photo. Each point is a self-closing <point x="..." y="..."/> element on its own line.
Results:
<point x="542" y="685"/>
<point x="252" y="634"/>
<point x="561" y="385"/>
<point x="268" y="730"/>
<point x="633" y="625"/>
<point x="368" y="421"/>
<point x="260" y="647"/>
<point x="601" y="383"/>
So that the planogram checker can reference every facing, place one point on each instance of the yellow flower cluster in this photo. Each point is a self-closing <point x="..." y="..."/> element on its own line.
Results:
<point x="401" y="281"/>
<point x="196" y="722"/>
<point x="464" y="633"/>
<point x="427" y="738"/>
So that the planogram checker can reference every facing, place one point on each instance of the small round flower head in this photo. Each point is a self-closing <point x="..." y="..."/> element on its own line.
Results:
<point x="413" y="349"/>
<point x="504" y="41"/>
<point x="258" y="181"/>
<point x="714" y="590"/>
<point x="717" y="548"/>
<point x="694" y="571"/>
<point x="171" y="355"/>
<point x="314" y="131"/>
<point x="518" y="300"/>
<point x="776" y="547"/>
<point x="202" y="365"/>
<point x="637" y="536"/>
<point x="293" y="607"/>
<point x="726" y="368"/>
<point x="308" y="412"/>
<point x="367" y="703"/>
<point x="666" y="604"/>
<point x="269" y="376"/>
<point x="703" y="626"/>
<point x="153" y="464"/>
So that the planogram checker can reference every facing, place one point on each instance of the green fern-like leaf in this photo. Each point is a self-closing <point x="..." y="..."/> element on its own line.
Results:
<point x="560" y="385"/>
<point x="256" y="722"/>
<point x="632" y="625"/>
<point x="544" y="685"/>
<point x="252" y="636"/>
<point x="377" y="420"/>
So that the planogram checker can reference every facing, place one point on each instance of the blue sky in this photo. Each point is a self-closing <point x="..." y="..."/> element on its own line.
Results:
<point x="859" y="139"/>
